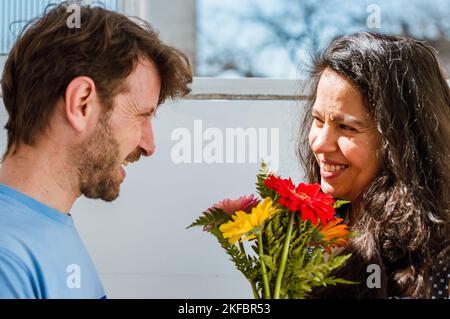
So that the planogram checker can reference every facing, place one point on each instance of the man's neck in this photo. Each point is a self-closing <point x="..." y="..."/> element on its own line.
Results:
<point x="42" y="175"/>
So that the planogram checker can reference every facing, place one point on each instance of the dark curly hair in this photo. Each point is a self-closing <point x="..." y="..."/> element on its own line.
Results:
<point x="403" y="223"/>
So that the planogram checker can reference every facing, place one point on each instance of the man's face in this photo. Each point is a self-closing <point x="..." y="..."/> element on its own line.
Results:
<point x="121" y="136"/>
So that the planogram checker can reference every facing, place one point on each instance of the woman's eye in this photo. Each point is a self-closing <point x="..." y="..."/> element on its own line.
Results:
<point x="318" y="120"/>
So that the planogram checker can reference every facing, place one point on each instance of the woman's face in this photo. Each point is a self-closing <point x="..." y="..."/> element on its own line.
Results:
<point x="343" y="138"/>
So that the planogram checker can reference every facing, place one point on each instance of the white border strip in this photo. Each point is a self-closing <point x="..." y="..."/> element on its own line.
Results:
<point x="242" y="89"/>
<point x="249" y="89"/>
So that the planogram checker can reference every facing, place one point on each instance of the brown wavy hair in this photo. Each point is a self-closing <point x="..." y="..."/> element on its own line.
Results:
<point x="48" y="55"/>
<point x="403" y="224"/>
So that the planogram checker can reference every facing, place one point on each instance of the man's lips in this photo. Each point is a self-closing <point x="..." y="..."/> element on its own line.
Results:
<point x="125" y="163"/>
<point x="128" y="162"/>
<point x="122" y="172"/>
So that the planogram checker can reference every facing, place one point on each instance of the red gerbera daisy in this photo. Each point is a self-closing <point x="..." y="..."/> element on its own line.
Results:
<point x="308" y="199"/>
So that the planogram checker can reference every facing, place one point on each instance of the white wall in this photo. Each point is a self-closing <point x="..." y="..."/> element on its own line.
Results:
<point x="2" y="63"/>
<point x="139" y="242"/>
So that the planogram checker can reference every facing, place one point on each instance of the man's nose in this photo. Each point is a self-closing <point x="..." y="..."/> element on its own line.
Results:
<point x="147" y="143"/>
<point x="326" y="140"/>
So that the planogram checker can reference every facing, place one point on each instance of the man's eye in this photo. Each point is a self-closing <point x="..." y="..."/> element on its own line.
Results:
<point x="348" y="128"/>
<point x="147" y="115"/>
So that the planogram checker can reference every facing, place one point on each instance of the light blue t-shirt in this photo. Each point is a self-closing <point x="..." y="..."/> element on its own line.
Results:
<point x="41" y="254"/>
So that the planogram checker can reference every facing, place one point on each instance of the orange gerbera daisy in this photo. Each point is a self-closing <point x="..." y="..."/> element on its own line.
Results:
<point x="334" y="234"/>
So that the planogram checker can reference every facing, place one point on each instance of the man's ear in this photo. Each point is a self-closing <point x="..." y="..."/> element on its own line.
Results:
<point x="80" y="107"/>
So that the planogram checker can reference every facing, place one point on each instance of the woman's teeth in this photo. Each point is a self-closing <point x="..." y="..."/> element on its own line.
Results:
<point x="332" y="168"/>
<point x="125" y="163"/>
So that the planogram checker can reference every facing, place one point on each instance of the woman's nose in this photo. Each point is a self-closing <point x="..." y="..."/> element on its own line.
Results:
<point x="325" y="141"/>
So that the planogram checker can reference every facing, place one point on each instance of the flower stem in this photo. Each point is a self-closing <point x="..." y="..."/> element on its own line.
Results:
<point x="284" y="255"/>
<point x="241" y="247"/>
<point x="263" y="267"/>
<point x="255" y="291"/>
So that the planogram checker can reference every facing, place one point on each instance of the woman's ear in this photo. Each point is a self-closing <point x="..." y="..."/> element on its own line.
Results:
<point x="79" y="102"/>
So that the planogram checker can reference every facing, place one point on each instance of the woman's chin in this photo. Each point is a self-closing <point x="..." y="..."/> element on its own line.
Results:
<point x="331" y="190"/>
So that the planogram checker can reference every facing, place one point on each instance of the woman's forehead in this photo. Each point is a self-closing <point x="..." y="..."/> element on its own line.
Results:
<point x="337" y="96"/>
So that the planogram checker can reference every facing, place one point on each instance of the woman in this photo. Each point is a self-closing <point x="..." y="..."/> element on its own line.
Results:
<point x="377" y="133"/>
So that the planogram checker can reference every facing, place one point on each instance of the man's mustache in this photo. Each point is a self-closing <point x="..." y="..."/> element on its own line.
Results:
<point x="134" y="156"/>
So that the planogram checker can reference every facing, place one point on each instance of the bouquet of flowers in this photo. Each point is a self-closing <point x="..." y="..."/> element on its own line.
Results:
<point x="292" y="232"/>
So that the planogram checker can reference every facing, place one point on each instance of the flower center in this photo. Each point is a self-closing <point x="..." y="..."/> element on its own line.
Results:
<point x="302" y="195"/>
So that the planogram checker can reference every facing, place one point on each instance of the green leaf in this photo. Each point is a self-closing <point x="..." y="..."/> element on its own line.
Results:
<point x="309" y="270"/>
<point x="340" y="202"/>
<point x="214" y="216"/>
<point x="344" y="281"/>
<point x="270" y="263"/>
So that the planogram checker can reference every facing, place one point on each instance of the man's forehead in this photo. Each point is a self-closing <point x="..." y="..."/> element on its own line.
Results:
<point x="142" y="106"/>
<point x="144" y="86"/>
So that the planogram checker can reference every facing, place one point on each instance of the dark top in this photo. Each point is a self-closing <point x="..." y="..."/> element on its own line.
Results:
<point x="440" y="279"/>
<point x="440" y="273"/>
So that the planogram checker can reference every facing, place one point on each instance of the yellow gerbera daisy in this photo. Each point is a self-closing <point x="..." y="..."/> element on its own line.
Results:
<point x="244" y="223"/>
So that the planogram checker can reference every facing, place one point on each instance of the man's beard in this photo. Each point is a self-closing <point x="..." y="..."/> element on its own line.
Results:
<point x="97" y="162"/>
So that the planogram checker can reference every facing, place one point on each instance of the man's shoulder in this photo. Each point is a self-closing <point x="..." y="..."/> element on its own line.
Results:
<point x="15" y="264"/>
<point x="17" y="218"/>
<point x="16" y="279"/>
<point x="13" y="244"/>
<point x="10" y="208"/>
<point x="13" y="220"/>
<point x="20" y="230"/>
<point x="8" y="255"/>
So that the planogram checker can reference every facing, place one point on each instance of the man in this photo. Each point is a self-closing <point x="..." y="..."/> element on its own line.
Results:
<point x="80" y="103"/>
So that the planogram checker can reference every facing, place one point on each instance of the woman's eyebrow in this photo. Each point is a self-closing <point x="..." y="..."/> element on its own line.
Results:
<point x="349" y="119"/>
<point x="342" y="118"/>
